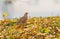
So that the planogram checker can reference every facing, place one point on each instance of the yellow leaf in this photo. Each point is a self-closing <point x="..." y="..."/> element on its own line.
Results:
<point x="47" y="30"/>
<point x="5" y="14"/>
<point x="11" y="20"/>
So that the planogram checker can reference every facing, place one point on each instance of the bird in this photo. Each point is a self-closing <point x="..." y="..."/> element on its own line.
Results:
<point x="22" y="21"/>
<point x="8" y="1"/>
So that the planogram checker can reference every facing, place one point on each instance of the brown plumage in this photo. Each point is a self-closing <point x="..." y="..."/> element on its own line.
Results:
<point x="23" y="19"/>
<point x="8" y="1"/>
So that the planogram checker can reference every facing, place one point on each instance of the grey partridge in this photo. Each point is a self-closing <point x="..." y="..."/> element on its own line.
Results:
<point x="23" y="19"/>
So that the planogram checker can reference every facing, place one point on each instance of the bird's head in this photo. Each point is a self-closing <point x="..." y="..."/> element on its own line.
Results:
<point x="26" y="13"/>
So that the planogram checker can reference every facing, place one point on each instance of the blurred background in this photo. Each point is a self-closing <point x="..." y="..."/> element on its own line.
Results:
<point x="17" y="8"/>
